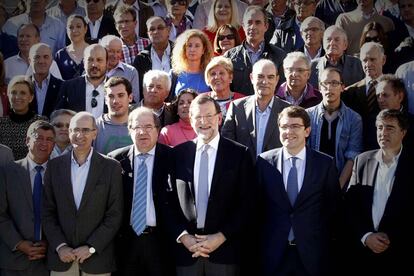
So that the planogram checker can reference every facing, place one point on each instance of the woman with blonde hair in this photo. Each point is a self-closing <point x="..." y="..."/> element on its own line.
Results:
<point x="219" y="75"/>
<point x="223" y="12"/>
<point x="191" y="54"/>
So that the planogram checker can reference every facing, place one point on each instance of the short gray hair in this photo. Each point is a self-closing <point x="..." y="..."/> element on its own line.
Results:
<point x="293" y="56"/>
<point x="262" y="62"/>
<point x="60" y="112"/>
<point x="141" y="110"/>
<point x="104" y="42"/>
<point x="334" y="28"/>
<point x="84" y="114"/>
<point x="158" y="74"/>
<point x="372" y="45"/>
<point x="309" y="20"/>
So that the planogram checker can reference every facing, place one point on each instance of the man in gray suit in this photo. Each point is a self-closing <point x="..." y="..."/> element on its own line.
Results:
<point x="83" y="205"/>
<point x="22" y="245"/>
<point x="252" y="121"/>
<point x="6" y="155"/>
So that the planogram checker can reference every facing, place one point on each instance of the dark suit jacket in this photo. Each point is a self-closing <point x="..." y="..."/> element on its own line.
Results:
<point x="395" y="221"/>
<point x="240" y="124"/>
<point x="96" y="221"/>
<point x="72" y="95"/>
<point x="51" y="97"/>
<point x="107" y="28"/>
<point x="228" y="201"/>
<point x="310" y="216"/>
<point x="16" y="214"/>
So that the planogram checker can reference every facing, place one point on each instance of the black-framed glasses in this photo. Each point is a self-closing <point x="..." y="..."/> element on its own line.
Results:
<point x="330" y="83"/>
<point x="94" y="101"/>
<point x="61" y="125"/>
<point x="95" y="1"/>
<point x="229" y="36"/>
<point x="179" y="2"/>
<point x="372" y="39"/>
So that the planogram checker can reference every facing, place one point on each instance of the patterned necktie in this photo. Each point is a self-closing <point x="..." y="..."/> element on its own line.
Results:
<point x="371" y="95"/>
<point x="292" y="189"/>
<point x="139" y="204"/>
<point x="202" y="195"/>
<point x="37" y="196"/>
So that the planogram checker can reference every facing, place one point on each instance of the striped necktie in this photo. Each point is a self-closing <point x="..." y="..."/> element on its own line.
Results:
<point x="371" y="95"/>
<point x="139" y="204"/>
<point x="202" y="193"/>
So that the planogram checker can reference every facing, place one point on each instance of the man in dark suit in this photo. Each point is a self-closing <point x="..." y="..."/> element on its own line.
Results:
<point x="298" y="194"/>
<point x="141" y="247"/>
<point x="252" y="121"/>
<point x="82" y="205"/>
<point x="22" y="244"/>
<point x="211" y="178"/>
<point x="45" y="84"/>
<point x="86" y="93"/>
<point x="100" y="24"/>
<point x="378" y="203"/>
<point x="6" y="155"/>
<point x="361" y="96"/>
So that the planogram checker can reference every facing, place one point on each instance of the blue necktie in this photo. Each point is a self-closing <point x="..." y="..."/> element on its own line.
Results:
<point x="37" y="195"/>
<point x="292" y="189"/>
<point x="202" y="193"/>
<point x="139" y="204"/>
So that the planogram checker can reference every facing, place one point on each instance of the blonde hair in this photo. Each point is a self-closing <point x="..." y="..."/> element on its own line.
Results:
<point x="21" y="79"/>
<point x="179" y="58"/>
<point x="212" y="24"/>
<point x="218" y="61"/>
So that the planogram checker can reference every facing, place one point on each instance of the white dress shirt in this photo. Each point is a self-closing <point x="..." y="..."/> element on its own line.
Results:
<point x="150" y="209"/>
<point x="78" y="176"/>
<point x="262" y="118"/>
<point x="162" y="64"/>
<point x="94" y="26"/>
<point x="41" y="93"/>
<point x="32" y="171"/>
<point x="287" y="165"/>
<point x="99" y="108"/>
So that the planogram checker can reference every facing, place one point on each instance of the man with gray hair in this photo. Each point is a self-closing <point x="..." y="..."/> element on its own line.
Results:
<point x="117" y="68"/>
<point x="252" y="120"/>
<point x="361" y="96"/>
<point x="45" y="84"/>
<point x="296" y="90"/>
<point x="335" y="43"/>
<point x="157" y="85"/>
<point x="60" y="120"/>
<point x="312" y="29"/>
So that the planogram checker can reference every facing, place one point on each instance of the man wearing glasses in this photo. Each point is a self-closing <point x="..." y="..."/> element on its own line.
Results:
<point x="82" y="208"/>
<point x="60" y="120"/>
<point x="299" y="193"/>
<point x="210" y="185"/>
<point x="142" y="247"/>
<point x="86" y="93"/>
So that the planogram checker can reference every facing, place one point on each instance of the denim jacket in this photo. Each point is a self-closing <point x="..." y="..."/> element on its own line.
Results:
<point x="348" y="138"/>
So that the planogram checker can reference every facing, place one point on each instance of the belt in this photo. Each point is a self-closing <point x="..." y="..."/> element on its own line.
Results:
<point x="292" y="243"/>
<point x="149" y="230"/>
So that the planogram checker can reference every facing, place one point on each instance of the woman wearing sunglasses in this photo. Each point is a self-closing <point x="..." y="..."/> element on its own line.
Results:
<point x="226" y="38"/>
<point x="177" y="17"/>
<point x="223" y="12"/>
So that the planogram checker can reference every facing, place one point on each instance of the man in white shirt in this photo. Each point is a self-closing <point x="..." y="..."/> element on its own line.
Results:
<point x="378" y="202"/>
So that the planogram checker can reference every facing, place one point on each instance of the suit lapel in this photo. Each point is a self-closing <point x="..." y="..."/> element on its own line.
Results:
<point x="370" y="171"/>
<point x="27" y="185"/>
<point x="190" y="167"/>
<point x="308" y="177"/>
<point x="250" y="111"/>
<point x="93" y="175"/>
<point x="219" y="166"/>
<point x="278" y="191"/>
<point x="50" y="98"/>
<point x="67" y="181"/>
<point x="271" y="127"/>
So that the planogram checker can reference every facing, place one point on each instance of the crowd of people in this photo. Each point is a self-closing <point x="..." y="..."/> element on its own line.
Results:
<point x="206" y="137"/>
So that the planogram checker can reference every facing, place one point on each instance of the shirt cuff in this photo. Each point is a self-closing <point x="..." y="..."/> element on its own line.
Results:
<point x="182" y="234"/>
<point x="364" y="238"/>
<point x="60" y="246"/>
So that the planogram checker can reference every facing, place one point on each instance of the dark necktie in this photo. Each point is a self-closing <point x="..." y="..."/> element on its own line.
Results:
<point x="371" y="95"/>
<point x="202" y="193"/>
<point x="292" y="189"/>
<point x="139" y="204"/>
<point x="37" y="196"/>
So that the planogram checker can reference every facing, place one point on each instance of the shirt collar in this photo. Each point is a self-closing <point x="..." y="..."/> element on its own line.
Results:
<point x="47" y="79"/>
<point x="301" y="155"/>
<point x="213" y="143"/>
<point x="250" y="49"/>
<point x="88" y="159"/>
<point x="89" y="21"/>
<point x="269" y="106"/>
<point x="378" y="157"/>
<point x="33" y="164"/>
<point x="150" y="152"/>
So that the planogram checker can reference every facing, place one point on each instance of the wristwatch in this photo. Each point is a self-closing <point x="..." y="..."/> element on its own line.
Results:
<point x="92" y="250"/>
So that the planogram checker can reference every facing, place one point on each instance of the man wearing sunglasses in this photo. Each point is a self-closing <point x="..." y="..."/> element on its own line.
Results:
<point x="60" y="120"/>
<point x="99" y="23"/>
<point x="86" y="93"/>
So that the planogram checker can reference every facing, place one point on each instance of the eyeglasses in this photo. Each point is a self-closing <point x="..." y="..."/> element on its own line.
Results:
<point x="83" y="130"/>
<point x="95" y="1"/>
<point x="179" y="2"/>
<point x="373" y="38"/>
<point x="159" y="28"/>
<point x="61" y="125"/>
<point x="206" y="117"/>
<point x="229" y="36"/>
<point x="94" y="101"/>
<point x="146" y="128"/>
<point x="298" y="70"/>
<point x="293" y="127"/>
<point x="330" y="83"/>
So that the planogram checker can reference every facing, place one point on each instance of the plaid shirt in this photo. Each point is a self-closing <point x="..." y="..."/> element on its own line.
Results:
<point x="130" y="52"/>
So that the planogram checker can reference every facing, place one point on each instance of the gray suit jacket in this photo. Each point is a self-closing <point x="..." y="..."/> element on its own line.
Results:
<point x="16" y="214"/>
<point x="240" y="124"/>
<point x="96" y="221"/>
<point x="6" y="155"/>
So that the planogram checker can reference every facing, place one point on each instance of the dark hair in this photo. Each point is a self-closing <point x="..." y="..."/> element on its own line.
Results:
<point x="114" y="81"/>
<point x="39" y="124"/>
<point x="221" y="29"/>
<point x="78" y="16"/>
<point x="29" y="25"/>
<point x="295" y="112"/>
<point x="205" y="98"/>
<point x="393" y="114"/>
<point x="124" y="9"/>
<point x="374" y="26"/>
<point x="333" y="69"/>
<point x="397" y="85"/>
<point x="176" y="100"/>
<point x="59" y="112"/>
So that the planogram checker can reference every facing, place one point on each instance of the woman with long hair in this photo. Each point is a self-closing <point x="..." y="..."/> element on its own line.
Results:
<point x="227" y="37"/>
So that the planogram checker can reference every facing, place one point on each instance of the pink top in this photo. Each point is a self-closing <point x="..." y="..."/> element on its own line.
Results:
<point x="176" y="134"/>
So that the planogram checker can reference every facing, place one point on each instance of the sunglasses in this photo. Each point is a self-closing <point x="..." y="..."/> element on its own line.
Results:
<point x="61" y="125"/>
<point x="229" y="36"/>
<point x="95" y="1"/>
<point x="372" y="39"/>
<point x="179" y="2"/>
<point x="94" y="101"/>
